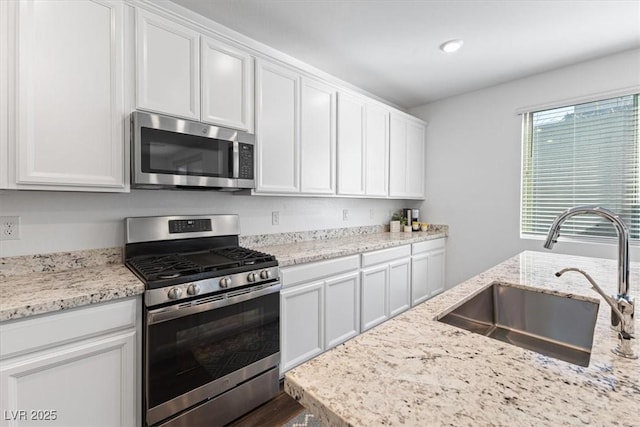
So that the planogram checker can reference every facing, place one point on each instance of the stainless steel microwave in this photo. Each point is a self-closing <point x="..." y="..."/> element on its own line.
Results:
<point x="169" y="152"/>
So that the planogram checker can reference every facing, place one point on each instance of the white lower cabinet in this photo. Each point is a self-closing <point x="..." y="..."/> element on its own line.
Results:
<point x="375" y="282"/>
<point x="385" y="286"/>
<point x="302" y="324"/>
<point x="76" y="368"/>
<point x="320" y="308"/>
<point x="427" y="270"/>
<point x="342" y="309"/>
<point x="399" y="286"/>
<point x="325" y="303"/>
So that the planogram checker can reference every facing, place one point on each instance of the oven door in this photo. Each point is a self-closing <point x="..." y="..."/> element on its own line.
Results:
<point x="197" y="350"/>
<point x="173" y="152"/>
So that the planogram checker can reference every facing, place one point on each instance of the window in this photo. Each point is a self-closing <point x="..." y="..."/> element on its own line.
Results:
<point x="584" y="154"/>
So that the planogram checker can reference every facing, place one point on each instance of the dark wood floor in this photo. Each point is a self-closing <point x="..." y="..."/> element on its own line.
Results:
<point x="274" y="413"/>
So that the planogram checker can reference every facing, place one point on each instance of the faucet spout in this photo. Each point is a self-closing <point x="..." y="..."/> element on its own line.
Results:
<point x="621" y="230"/>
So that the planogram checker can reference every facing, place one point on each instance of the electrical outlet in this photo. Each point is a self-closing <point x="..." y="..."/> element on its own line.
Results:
<point x="371" y="213"/>
<point x="345" y="214"/>
<point x="275" y="218"/>
<point x="10" y="228"/>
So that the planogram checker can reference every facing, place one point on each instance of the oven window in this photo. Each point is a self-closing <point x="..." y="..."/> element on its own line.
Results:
<point x="181" y="154"/>
<point x="191" y="351"/>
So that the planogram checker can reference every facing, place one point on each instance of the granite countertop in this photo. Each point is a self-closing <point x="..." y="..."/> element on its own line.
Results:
<point x="413" y="370"/>
<point x="37" y="284"/>
<point x="319" y="250"/>
<point x="38" y="293"/>
<point x="43" y="283"/>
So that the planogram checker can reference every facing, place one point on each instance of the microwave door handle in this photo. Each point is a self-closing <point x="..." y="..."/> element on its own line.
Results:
<point x="236" y="160"/>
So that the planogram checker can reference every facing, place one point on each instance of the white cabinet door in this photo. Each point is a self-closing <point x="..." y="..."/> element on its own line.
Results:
<point x="397" y="157"/>
<point x="167" y="67"/>
<point x="406" y="158"/>
<point x="342" y="309"/>
<point x="377" y="151"/>
<point x="427" y="270"/>
<point x="4" y="95"/>
<point x="374" y="296"/>
<point x="351" y="145"/>
<point x="302" y="324"/>
<point x="415" y="160"/>
<point x="436" y="272"/>
<point x="399" y="286"/>
<point x="419" y="279"/>
<point x="91" y="382"/>
<point x="69" y="96"/>
<point x="318" y="138"/>
<point x="277" y="133"/>
<point x="227" y="85"/>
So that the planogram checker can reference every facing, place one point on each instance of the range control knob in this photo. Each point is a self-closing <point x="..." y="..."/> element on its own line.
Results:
<point x="225" y="282"/>
<point x="265" y="274"/>
<point x="251" y="277"/>
<point x="174" y="293"/>
<point x="193" y="289"/>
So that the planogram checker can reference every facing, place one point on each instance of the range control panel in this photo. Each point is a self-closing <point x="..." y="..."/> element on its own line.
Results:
<point x="189" y="225"/>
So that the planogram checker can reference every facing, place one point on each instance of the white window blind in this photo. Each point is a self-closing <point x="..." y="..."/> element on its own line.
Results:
<point x="584" y="154"/>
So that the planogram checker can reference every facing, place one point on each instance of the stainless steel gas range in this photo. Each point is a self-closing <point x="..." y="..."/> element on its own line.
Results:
<point x="211" y="339"/>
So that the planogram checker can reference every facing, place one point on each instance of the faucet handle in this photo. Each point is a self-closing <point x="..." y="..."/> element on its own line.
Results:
<point x="626" y="307"/>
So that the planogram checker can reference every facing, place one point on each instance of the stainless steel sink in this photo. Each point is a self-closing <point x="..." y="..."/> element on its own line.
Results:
<point x="556" y="326"/>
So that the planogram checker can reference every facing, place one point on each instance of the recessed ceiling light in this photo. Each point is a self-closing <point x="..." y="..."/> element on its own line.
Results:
<point x="451" y="46"/>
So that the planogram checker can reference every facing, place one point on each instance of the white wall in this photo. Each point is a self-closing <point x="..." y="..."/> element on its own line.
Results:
<point x="66" y="221"/>
<point x="474" y="159"/>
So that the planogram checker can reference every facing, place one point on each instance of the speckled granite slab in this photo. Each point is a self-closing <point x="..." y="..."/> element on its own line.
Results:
<point x="43" y="283"/>
<point x="59" y="261"/>
<point x="39" y="284"/>
<point x="315" y="235"/>
<point x="415" y="371"/>
<point x="32" y="294"/>
<point x="318" y="250"/>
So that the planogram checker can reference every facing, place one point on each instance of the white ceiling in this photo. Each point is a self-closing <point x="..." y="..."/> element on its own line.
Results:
<point x="390" y="47"/>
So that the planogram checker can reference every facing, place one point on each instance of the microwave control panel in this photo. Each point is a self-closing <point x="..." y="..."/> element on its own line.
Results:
<point x="246" y="161"/>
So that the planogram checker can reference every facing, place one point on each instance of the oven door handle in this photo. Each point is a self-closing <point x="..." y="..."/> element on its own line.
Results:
<point x="177" y="311"/>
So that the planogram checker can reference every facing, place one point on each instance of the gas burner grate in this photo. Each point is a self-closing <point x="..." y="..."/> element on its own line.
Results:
<point x="164" y="267"/>
<point x="243" y="255"/>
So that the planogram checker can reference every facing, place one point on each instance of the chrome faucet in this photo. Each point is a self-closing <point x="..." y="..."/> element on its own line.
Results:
<point x="625" y="316"/>
<point x="623" y="239"/>
<point x="624" y="304"/>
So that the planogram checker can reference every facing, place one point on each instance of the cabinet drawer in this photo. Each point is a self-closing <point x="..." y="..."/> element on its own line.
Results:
<point x="312" y="271"/>
<point x="429" y="245"/>
<point x="44" y="331"/>
<point x="385" y="255"/>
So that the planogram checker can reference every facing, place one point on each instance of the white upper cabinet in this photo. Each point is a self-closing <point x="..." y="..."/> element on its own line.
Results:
<point x="363" y="147"/>
<point x="227" y="85"/>
<point x="295" y="132"/>
<point x="277" y="129"/>
<point x="351" y="145"/>
<point x="407" y="157"/>
<point x="167" y="67"/>
<point x="318" y="138"/>
<point x="182" y="73"/>
<point x="377" y="150"/>
<point x="66" y="70"/>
